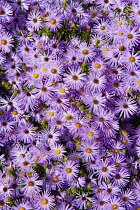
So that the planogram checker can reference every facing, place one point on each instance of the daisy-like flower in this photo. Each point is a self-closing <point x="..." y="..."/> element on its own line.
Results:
<point x="70" y="170"/>
<point x="126" y="107"/>
<point x="26" y="132"/>
<point x="24" y="205"/>
<point x="58" y="151"/>
<point x="6" y="42"/>
<point x="54" y="21"/>
<point x="81" y="200"/>
<point x="45" y="201"/>
<point x="132" y="37"/>
<point x="115" y="203"/>
<point x="74" y="78"/>
<point x="121" y="178"/>
<point x="5" y="12"/>
<point x="130" y="60"/>
<point x="105" y="169"/>
<point x="129" y="198"/>
<point x="86" y="52"/>
<point x="34" y="20"/>
<point x="88" y="150"/>
<point x="31" y="185"/>
<point x="96" y="82"/>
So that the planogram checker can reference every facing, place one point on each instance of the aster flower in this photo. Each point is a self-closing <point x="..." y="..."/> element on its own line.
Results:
<point x="6" y="42"/>
<point x="74" y="78"/>
<point x="70" y="170"/>
<point x="30" y="185"/>
<point x="5" y="12"/>
<point x="86" y="52"/>
<point x="34" y="21"/>
<point x="115" y="203"/>
<point x="121" y="178"/>
<point x="125" y="107"/>
<point x="54" y="21"/>
<point x="45" y="201"/>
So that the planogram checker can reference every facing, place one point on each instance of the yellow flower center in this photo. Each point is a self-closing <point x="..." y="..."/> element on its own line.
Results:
<point x="116" y="150"/>
<point x="129" y="36"/>
<point x="114" y="206"/>
<point x="85" y="52"/>
<point x="132" y="59"/>
<point x="53" y="71"/>
<point x="123" y="132"/>
<point x="14" y="112"/>
<point x="54" y="179"/>
<point x="51" y="114"/>
<point x="68" y="117"/>
<point x="35" y="75"/>
<point x="138" y="208"/>
<point x="52" y="21"/>
<point x="3" y="41"/>
<point x="124" y="141"/>
<point x="105" y="49"/>
<point x="44" y="69"/>
<point x="119" y="22"/>
<point x="88" y="116"/>
<point x="34" y="20"/>
<point x="39" y="43"/>
<point x="42" y="154"/>
<point x="138" y="82"/>
<point x="62" y="90"/>
<point x="57" y="151"/>
<point x="102" y="27"/>
<point x="88" y="150"/>
<point x="97" y="41"/>
<point x="78" y="125"/>
<point x="90" y="133"/>
<point x="68" y="170"/>
<point x="44" y="201"/>
<point x="21" y="208"/>
<point x="97" y="65"/>
<point x="120" y="32"/>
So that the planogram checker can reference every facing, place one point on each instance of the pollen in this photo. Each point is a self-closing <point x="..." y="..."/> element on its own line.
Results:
<point x="124" y="132"/>
<point x="39" y="44"/>
<point x="44" y="201"/>
<point x="130" y="36"/>
<point x="138" y="82"/>
<point x="14" y="112"/>
<point x="52" y="21"/>
<point x="35" y="75"/>
<point x="102" y="27"/>
<point x="78" y="125"/>
<point x="88" y="116"/>
<point x="55" y="179"/>
<point x="97" y="65"/>
<point x="85" y="52"/>
<point x="106" y="12"/>
<point x="53" y="71"/>
<point x="119" y="23"/>
<point x="114" y="206"/>
<point x="120" y="32"/>
<point x="124" y="141"/>
<point x="90" y="133"/>
<point x="21" y="208"/>
<point x="30" y="183"/>
<point x="105" y="49"/>
<point x="68" y="170"/>
<point x="42" y="154"/>
<point x="88" y="150"/>
<point x="93" y="14"/>
<point x="44" y="69"/>
<point x="132" y="59"/>
<point x="51" y="114"/>
<point x="116" y="150"/>
<point x="62" y="90"/>
<point x="3" y="41"/>
<point x="121" y="48"/>
<point x="57" y="151"/>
